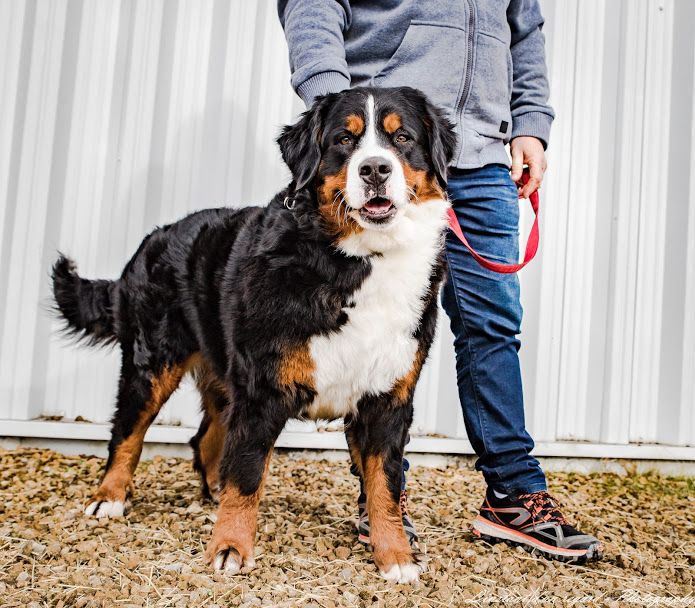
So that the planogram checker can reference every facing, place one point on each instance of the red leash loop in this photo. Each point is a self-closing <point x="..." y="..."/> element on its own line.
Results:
<point x="531" y="244"/>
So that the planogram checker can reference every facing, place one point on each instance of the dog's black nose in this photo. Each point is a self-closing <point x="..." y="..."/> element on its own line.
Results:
<point x="375" y="170"/>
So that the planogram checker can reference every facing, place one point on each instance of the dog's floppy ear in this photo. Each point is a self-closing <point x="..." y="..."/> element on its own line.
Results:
<point x="300" y="143"/>
<point x="442" y="141"/>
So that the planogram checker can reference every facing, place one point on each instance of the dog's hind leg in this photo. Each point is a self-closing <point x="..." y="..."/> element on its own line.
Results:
<point x="140" y="397"/>
<point x="208" y="442"/>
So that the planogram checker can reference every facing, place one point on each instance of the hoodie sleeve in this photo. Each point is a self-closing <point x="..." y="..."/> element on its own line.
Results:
<point x="314" y="32"/>
<point x="531" y="114"/>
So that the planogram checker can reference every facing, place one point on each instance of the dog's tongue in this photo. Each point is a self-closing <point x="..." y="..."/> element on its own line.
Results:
<point x="377" y="204"/>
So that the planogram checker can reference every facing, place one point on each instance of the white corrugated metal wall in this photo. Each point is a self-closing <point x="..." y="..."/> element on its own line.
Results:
<point x="119" y="115"/>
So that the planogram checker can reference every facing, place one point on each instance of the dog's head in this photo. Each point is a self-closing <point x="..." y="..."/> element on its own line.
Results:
<point x="369" y="154"/>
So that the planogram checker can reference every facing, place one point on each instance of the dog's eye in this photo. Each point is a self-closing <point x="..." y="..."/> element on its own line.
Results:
<point x="345" y="140"/>
<point x="402" y="138"/>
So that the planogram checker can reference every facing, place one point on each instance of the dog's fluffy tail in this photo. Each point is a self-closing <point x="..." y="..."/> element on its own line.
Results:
<point x="86" y="306"/>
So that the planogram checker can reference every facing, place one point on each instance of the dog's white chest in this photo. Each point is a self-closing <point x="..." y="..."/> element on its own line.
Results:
<point x="376" y="347"/>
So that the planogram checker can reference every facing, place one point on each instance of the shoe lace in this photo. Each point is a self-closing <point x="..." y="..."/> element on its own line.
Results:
<point x="543" y="508"/>
<point x="403" y="502"/>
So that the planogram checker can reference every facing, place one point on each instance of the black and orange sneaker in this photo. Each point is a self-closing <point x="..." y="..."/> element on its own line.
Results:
<point x="534" y="522"/>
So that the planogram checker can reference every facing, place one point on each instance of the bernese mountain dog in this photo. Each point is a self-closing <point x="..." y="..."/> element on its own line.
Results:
<point x="322" y="304"/>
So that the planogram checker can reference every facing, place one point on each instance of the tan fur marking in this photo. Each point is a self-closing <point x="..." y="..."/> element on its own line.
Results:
<point x="386" y="533"/>
<point x="212" y="443"/>
<point x="425" y="186"/>
<point x="237" y="516"/>
<point x="210" y="450"/>
<point x="404" y="387"/>
<point x="165" y="384"/>
<point x="354" y="124"/>
<point x="333" y="209"/>
<point x="392" y="122"/>
<point x="206" y="380"/>
<point x="117" y="483"/>
<point x="296" y="367"/>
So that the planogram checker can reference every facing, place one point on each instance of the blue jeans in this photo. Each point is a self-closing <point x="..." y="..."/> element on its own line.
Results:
<point x="485" y="315"/>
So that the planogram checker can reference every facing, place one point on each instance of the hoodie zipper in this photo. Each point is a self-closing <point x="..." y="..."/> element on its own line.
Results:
<point x="469" y="59"/>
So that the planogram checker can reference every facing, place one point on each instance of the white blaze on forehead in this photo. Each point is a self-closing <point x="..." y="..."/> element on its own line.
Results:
<point x="369" y="139"/>
<point x="369" y="146"/>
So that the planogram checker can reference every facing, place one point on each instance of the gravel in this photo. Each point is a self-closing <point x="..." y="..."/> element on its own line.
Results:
<point x="307" y="554"/>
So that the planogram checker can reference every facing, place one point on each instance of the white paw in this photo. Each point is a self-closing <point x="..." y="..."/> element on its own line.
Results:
<point x="105" y="508"/>
<point x="230" y="562"/>
<point x="404" y="573"/>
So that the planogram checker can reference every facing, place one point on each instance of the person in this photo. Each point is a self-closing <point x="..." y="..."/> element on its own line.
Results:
<point x="483" y="62"/>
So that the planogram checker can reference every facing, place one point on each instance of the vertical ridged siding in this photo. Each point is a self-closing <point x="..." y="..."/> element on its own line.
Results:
<point x="116" y="116"/>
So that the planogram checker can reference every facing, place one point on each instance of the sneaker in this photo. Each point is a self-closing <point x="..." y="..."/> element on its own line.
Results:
<point x="534" y="522"/>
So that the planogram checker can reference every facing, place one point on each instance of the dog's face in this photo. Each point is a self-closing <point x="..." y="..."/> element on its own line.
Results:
<point x="369" y="153"/>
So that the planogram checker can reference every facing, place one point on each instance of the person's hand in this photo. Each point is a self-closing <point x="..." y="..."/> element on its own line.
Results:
<point x="527" y="150"/>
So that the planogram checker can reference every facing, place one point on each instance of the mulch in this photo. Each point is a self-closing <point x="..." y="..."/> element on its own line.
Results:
<point x="307" y="554"/>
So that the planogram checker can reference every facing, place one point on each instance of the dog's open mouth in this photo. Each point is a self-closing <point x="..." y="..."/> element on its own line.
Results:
<point x="378" y="210"/>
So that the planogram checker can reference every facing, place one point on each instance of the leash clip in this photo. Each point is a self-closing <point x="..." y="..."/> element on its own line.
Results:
<point x="289" y="203"/>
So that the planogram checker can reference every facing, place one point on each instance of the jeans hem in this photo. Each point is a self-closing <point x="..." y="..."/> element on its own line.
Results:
<point x="519" y="488"/>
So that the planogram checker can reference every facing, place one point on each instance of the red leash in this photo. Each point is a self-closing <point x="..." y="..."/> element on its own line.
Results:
<point x="531" y="244"/>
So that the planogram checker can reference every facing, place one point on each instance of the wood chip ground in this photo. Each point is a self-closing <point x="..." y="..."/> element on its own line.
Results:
<point x="307" y="554"/>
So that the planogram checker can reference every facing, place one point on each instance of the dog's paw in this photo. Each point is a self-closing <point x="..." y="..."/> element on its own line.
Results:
<point x="404" y="573"/>
<point x="224" y="557"/>
<point x="105" y="508"/>
<point x="230" y="561"/>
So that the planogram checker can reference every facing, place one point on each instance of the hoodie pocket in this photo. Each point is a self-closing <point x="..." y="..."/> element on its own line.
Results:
<point x="488" y="110"/>
<point x="431" y="57"/>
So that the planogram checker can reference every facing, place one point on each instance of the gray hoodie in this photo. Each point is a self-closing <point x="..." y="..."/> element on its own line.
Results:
<point x="483" y="61"/>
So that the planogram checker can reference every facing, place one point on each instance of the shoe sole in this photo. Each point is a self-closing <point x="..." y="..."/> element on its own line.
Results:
<point x="494" y="533"/>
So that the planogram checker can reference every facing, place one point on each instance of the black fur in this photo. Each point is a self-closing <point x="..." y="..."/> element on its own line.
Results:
<point x="84" y="305"/>
<point x="300" y="144"/>
<point x="442" y="142"/>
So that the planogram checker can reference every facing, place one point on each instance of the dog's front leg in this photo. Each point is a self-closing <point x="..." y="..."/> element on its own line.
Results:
<point x="251" y="434"/>
<point x="378" y="434"/>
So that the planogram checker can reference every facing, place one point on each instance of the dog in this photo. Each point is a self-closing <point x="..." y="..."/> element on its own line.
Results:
<point x="321" y="305"/>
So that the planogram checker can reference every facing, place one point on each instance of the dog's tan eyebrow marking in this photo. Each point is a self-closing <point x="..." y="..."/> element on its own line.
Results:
<point x="354" y="124"/>
<point x="392" y="122"/>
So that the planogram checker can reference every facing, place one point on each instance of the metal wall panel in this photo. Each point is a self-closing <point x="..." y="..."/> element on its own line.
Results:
<point x="116" y="116"/>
